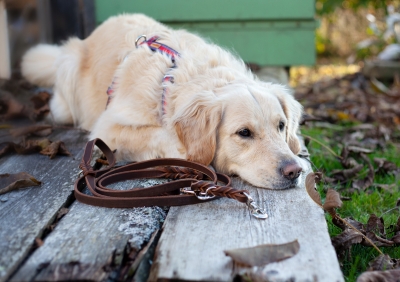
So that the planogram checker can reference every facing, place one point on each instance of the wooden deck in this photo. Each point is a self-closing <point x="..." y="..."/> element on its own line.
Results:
<point x="182" y="244"/>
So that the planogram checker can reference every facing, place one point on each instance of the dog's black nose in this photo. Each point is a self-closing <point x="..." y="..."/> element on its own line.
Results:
<point x="291" y="171"/>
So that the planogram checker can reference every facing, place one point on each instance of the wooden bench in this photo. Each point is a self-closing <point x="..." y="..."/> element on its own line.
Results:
<point x="268" y="33"/>
<point x="96" y="244"/>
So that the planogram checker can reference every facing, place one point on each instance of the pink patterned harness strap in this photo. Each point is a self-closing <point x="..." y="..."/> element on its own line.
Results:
<point x="155" y="47"/>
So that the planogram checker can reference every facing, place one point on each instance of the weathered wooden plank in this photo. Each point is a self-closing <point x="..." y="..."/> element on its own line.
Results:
<point x="24" y="214"/>
<point x="194" y="238"/>
<point x="92" y="243"/>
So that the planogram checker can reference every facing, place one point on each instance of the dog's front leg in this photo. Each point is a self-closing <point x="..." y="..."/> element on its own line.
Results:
<point x="140" y="143"/>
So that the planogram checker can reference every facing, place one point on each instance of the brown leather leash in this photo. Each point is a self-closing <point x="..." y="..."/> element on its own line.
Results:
<point x="194" y="183"/>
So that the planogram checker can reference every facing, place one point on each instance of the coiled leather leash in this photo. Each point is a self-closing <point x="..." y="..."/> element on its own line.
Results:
<point x="193" y="183"/>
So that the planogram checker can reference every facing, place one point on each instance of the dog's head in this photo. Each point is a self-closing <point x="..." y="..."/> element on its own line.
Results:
<point x="244" y="129"/>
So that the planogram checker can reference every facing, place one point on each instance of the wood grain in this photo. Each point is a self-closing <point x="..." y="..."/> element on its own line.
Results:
<point x="92" y="243"/>
<point x="25" y="213"/>
<point x="194" y="238"/>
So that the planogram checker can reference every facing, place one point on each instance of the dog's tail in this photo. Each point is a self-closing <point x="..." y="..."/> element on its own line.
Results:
<point x="38" y="65"/>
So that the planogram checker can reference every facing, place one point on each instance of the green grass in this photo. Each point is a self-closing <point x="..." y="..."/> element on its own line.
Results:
<point x="372" y="201"/>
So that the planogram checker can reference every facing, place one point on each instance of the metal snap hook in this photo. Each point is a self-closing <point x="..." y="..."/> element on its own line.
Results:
<point x="255" y="210"/>
<point x="199" y="195"/>
<point x="204" y="195"/>
<point x="140" y="37"/>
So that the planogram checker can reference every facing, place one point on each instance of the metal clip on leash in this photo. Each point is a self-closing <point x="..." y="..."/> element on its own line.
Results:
<point x="195" y="182"/>
<point x="255" y="210"/>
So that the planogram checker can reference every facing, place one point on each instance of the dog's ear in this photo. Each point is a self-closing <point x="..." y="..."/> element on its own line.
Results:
<point x="293" y="111"/>
<point x="196" y="122"/>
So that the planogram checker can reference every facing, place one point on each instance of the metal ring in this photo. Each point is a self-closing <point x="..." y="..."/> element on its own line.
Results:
<point x="137" y="39"/>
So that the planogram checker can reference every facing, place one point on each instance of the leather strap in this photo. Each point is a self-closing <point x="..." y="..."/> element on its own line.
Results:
<point x="194" y="183"/>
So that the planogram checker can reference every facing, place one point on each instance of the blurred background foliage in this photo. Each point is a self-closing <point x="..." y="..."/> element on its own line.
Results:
<point x="344" y="25"/>
<point x="344" y="38"/>
<point x="326" y="7"/>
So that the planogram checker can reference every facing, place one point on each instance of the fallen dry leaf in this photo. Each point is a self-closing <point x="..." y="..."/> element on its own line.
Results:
<point x="332" y="201"/>
<point x="24" y="148"/>
<point x="311" y="189"/>
<point x="55" y="148"/>
<point x="61" y="213"/>
<point x="376" y="225"/>
<point x="346" y="174"/>
<point x="44" y="146"/>
<point x="387" y="187"/>
<point x="381" y="276"/>
<point x="396" y="237"/>
<point x="10" y="107"/>
<point x="40" y="105"/>
<point x="362" y="184"/>
<point x="377" y="240"/>
<point x="356" y="149"/>
<point x="356" y="224"/>
<point x="10" y="182"/>
<point x="345" y="240"/>
<point x="384" y="165"/>
<point x="32" y="129"/>
<point x="382" y="262"/>
<point x="39" y="242"/>
<point x="263" y="254"/>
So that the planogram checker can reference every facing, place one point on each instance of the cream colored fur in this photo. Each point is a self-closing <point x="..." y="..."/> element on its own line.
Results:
<point x="214" y="96"/>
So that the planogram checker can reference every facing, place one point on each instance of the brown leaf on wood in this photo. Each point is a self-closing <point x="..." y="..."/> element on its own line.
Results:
<point x="102" y="162"/>
<point x="311" y="189"/>
<point x="10" y="182"/>
<point x="39" y="242"/>
<point x="55" y="148"/>
<point x="332" y="202"/>
<point x="24" y="148"/>
<point x="263" y="254"/>
<point x="10" y="107"/>
<point x="40" y="105"/>
<point x="382" y="262"/>
<point x="369" y="179"/>
<point x="62" y="212"/>
<point x="32" y="129"/>
<point x="345" y="240"/>
<point x="381" y="276"/>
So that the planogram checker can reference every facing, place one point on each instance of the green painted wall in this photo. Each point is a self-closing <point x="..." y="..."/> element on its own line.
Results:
<point x="266" y="32"/>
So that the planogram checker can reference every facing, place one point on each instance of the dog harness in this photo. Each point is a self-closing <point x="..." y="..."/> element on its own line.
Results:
<point x="168" y="78"/>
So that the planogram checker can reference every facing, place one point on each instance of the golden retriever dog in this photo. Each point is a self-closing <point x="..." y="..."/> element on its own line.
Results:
<point x="171" y="94"/>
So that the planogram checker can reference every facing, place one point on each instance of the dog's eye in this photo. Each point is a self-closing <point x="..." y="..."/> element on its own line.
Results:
<point x="281" y="126"/>
<point x="244" y="132"/>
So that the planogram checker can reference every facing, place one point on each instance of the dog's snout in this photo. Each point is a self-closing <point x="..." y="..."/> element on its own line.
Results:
<point x="291" y="171"/>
